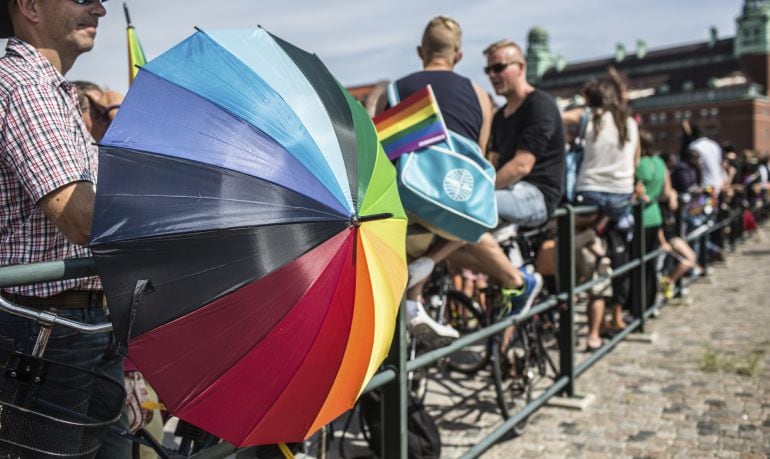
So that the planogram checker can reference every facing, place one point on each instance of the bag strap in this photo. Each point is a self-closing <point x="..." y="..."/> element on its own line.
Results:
<point x="393" y="97"/>
<point x="583" y="125"/>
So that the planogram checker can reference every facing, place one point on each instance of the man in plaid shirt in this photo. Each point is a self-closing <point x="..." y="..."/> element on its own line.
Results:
<point x="48" y="167"/>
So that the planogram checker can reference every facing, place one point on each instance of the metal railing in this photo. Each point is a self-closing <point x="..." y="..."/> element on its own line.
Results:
<point x="392" y="378"/>
<point x="394" y="384"/>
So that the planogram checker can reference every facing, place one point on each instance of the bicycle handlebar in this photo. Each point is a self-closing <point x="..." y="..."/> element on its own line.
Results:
<point x="51" y="319"/>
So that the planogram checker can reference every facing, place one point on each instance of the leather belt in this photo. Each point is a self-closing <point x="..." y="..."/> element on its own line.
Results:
<point x="71" y="299"/>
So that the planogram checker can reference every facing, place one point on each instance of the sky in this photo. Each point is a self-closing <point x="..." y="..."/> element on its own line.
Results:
<point x="366" y="41"/>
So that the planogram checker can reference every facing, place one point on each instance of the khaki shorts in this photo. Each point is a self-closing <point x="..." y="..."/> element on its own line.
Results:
<point x="419" y="243"/>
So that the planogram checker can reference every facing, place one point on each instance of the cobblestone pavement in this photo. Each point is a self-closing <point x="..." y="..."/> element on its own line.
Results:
<point x="701" y="389"/>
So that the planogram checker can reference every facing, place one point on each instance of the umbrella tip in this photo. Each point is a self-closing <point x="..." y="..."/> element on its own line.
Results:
<point x="355" y="221"/>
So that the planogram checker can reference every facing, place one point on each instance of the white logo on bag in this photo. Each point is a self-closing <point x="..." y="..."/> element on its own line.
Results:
<point x="458" y="184"/>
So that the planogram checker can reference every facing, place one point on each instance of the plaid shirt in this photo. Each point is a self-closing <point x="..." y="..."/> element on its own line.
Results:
<point x="44" y="145"/>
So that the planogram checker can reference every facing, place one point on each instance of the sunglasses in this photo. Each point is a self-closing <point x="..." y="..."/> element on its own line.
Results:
<point x="498" y="67"/>
<point x="86" y="2"/>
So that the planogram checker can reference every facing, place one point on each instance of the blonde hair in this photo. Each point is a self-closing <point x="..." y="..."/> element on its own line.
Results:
<point x="504" y="43"/>
<point x="441" y="39"/>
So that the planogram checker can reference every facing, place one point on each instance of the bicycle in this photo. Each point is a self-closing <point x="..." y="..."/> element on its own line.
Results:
<point x="519" y="355"/>
<point x="452" y="307"/>
<point x="448" y="306"/>
<point x="520" y="360"/>
<point x="52" y="409"/>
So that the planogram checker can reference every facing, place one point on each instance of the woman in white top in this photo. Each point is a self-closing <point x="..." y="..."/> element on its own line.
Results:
<point x="606" y="180"/>
<point x="606" y="176"/>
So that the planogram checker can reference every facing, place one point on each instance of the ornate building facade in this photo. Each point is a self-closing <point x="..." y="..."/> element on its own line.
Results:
<point x="720" y="84"/>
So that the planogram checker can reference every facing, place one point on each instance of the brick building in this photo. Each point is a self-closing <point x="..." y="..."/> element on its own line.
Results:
<point x="721" y="84"/>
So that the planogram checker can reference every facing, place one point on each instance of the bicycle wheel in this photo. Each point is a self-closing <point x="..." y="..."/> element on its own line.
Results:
<point x="539" y="351"/>
<point x="466" y="317"/>
<point x="512" y="375"/>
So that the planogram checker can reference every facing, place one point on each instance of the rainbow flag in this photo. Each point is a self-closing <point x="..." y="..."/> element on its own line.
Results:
<point x="136" y="57"/>
<point x="413" y="123"/>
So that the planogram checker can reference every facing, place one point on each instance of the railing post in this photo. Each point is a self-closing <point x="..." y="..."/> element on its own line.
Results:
<point x="394" y="394"/>
<point x="703" y="254"/>
<point x="566" y="259"/>
<point x="638" y="251"/>
<point x="681" y="231"/>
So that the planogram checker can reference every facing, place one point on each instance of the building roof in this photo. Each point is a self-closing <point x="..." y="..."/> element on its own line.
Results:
<point x="696" y="63"/>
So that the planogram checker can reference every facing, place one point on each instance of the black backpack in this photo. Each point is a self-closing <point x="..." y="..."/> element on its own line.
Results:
<point x="424" y="440"/>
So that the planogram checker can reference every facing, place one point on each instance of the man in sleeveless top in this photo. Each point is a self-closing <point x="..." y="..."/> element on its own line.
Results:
<point x="467" y="110"/>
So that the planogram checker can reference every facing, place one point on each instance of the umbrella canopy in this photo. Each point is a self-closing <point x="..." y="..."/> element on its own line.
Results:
<point x="249" y="235"/>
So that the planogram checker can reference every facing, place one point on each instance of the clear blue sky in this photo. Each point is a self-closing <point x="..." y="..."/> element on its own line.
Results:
<point x="365" y="41"/>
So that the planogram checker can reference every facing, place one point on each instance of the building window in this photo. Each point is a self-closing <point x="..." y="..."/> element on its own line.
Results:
<point x="714" y="111"/>
<point x="662" y="117"/>
<point x="678" y="115"/>
<point x="687" y="114"/>
<point x="704" y="112"/>
<point x="653" y="118"/>
<point x="662" y="135"/>
<point x="688" y="86"/>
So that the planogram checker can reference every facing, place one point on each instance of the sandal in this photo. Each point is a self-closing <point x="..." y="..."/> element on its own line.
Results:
<point x="590" y="348"/>
<point x="609" y="332"/>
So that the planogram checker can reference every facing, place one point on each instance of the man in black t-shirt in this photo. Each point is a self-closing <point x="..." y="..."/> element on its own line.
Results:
<point x="526" y="143"/>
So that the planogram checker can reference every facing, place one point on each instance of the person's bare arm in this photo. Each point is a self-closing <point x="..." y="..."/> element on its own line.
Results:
<point x="637" y="153"/>
<point x="71" y="209"/>
<point x="382" y="102"/>
<point x="514" y="170"/>
<point x="663" y="242"/>
<point x="486" y="116"/>
<point x="572" y="117"/>
<point x="667" y="188"/>
<point x="493" y="157"/>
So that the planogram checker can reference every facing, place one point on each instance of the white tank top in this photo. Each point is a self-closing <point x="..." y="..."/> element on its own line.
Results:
<point x="608" y="167"/>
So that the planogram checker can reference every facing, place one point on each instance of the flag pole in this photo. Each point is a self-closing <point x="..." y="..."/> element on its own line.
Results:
<point x="128" y="16"/>
<point x="136" y="56"/>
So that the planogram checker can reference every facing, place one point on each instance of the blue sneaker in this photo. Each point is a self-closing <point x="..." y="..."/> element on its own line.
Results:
<point x="521" y="299"/>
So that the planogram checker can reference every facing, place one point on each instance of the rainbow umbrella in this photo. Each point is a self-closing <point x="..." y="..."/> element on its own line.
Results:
<point x="249" y="235"/>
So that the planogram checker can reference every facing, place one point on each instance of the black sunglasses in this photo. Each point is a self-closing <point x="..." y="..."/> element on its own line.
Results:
<point x="86" y="2"/>
<point x="498" y="67"/>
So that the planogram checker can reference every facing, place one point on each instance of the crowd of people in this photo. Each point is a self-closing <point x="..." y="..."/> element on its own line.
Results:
<point x="48" y="170"/>
<point x="621" y="165"/>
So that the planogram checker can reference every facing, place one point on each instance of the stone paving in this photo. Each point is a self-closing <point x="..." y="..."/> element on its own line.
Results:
<point x="701" y="389"/>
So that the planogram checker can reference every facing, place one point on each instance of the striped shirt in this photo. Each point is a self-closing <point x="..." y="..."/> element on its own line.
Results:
<point x="44" y="145"/>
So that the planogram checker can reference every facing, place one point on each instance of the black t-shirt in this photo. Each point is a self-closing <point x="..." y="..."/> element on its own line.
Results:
<point x="535" y="126"/>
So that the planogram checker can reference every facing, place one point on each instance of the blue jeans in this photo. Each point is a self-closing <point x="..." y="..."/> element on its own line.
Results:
<point x="616" y="206"/>
<point x="91" y="352"/>
<point x="522" y="204"/>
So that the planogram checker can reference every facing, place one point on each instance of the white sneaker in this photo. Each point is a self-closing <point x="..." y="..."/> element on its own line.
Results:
<point x="428" y="331"/>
